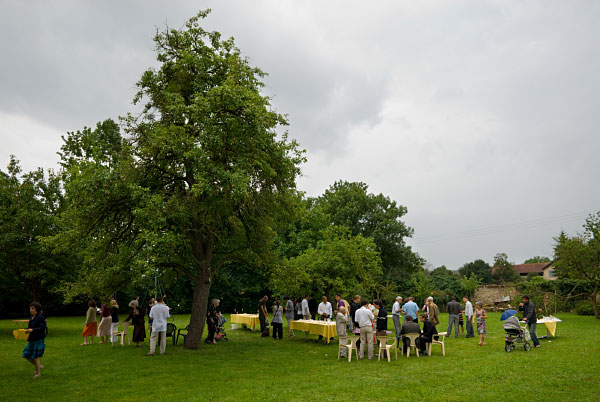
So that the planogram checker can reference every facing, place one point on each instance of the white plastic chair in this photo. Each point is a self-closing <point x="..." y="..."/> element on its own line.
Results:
<point x="383" y="344"/>
<point x="413" y="344"/>
<point x="349" y="346"/>
<point x="123" y="333"/>
<point x="440" y="342"/>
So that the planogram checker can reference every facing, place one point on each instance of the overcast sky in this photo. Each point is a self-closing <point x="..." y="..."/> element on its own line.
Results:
<point x="481" y="117"/>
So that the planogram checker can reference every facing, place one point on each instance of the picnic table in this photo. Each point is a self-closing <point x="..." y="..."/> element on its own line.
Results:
<point x="250" y="320"/>
<point x="550" y="324"/>
<point x="323" y="328"/>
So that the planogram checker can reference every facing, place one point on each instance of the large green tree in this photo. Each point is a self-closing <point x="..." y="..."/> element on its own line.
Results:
<point x="578" y="257"/>
<point x="349" y="204"/>
<point x="504" y="271"/>
<point x="29" y="207"/>
<point x="478" y="267"/>
<point x="203" y="174"/>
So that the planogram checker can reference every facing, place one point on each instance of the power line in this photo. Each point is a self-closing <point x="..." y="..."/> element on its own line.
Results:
<point x="502" y="228"/>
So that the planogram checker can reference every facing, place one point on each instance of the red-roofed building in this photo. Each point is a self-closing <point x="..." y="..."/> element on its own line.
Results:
<point x="544" y="269"/>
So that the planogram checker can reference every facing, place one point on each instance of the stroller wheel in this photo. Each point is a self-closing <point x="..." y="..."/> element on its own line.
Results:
<point x="527" y="347"/>
<point x="226" y="339"/>
<point x="507" y="347"/>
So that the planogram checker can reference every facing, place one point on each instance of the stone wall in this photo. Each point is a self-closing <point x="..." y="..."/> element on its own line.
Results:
<point x="491" y="295"/>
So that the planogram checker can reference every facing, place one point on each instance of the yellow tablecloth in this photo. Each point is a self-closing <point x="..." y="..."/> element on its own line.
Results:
<point x="324" y="328"/>
<point x="550" y="323"/>
<point x="250" y="320"/>
<point x="551" y="327"/>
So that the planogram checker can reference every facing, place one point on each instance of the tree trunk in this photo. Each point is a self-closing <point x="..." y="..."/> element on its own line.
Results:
<point x="199" y="307"/>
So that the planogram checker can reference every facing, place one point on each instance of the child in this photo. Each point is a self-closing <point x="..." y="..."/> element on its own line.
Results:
<point x="461" y="322"/>
<point x="35" y="343"/>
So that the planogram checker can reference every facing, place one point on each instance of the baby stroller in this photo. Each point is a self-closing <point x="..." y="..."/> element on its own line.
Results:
<point x="515" y="334"/>
<point x="220" y="335"/>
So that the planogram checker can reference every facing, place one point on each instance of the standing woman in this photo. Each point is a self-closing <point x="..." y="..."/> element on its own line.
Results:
<point x="91" y="325"/>
<point x="382" y="321"/>
<point x="115" y="320"/>
<point x="35" y="343"/>
<point x="136" y="315"/>
<point x="105" y="327"/>
<point x="277" y="320"/>
<point x="481" y="316"/>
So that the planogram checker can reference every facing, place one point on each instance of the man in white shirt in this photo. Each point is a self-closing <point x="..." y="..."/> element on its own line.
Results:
<point x="468" y="317"/>
<point x="365" y="318"/>
<point x="305" y="310"/>
<point x="159" y="315"/>
<point x="396" y="314"/>
<point x="324" y="309"/>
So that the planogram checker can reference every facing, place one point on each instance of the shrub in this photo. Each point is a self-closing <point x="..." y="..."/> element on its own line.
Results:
<point x="584" y="307"/>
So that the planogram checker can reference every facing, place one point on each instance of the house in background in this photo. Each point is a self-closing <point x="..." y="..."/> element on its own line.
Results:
<point x="549" y="272"/>
<point x="544" y="269"/>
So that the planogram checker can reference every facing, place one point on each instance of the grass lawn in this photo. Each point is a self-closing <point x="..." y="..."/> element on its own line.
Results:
<point x="251" y="368"/>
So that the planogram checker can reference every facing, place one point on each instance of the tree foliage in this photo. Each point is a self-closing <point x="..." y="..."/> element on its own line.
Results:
<point x="338" y="263"/>
<point x="537" y="259"/>
<point x="469" y="284"/>
<point x="29" y="207"/>
<point x="578" y="257"/>
<point x="349" y="204"/>
<point x="478" y="267"/>
<point x="504" y="271"/>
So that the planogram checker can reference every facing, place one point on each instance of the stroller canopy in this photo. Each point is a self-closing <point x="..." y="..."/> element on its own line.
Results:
<point x="512" y="324"/>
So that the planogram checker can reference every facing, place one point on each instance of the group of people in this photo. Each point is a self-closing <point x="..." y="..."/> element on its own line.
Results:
<point x="371" y="319"/>
<point x="156" y="311"/>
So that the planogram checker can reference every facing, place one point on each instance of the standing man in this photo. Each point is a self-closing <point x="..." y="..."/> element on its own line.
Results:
<point x="469" y="317"/>
<point x="396" y="315"/>
<point x="453" y="308"/>
<point x="324" y="311"/>
<point x="364" y="318"/>
<point x="289" y="314"/>
<point x="305" y="310"/>
<point x="410" y="308"/>
<point x="354" y="306"/>
<point x="339" y="303"/>
<point x="530" y="318"/>
<point x="263" y="316"/>
<point x="159" y="314"/>
<point x="433" y="311"/>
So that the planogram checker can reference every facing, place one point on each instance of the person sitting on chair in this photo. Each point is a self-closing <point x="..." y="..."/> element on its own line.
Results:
<point x="409" y="327"/>
<point x="429" y="333"/>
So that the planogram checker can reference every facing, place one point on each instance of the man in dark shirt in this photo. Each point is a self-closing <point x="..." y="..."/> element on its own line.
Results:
<point x="263" y="316"/>
<point x="312" y="307"/>
<point x="530" y="318"/>
<point x="409" y="327"/>
<point x="453" y="309"/>
<point x="429" y="333"/>
<point x="353" y="307"/>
